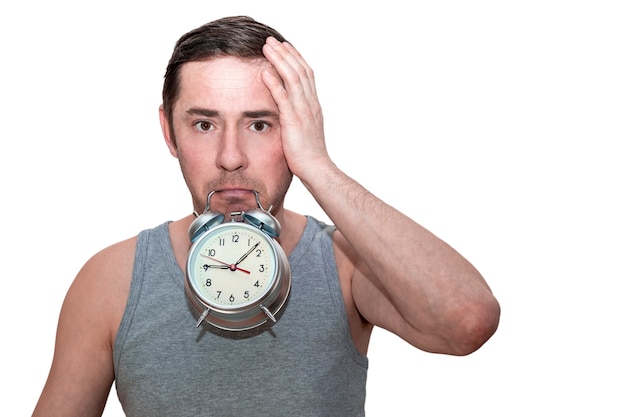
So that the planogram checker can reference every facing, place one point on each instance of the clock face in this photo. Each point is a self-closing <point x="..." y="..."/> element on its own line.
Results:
<point x="233" y="265"/>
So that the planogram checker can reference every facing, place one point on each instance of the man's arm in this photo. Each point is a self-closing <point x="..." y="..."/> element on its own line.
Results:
<point x="81" y="374"/>
<point x="405" y="279"/>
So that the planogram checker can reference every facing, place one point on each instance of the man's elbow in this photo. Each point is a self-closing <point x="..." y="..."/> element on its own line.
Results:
<point x="478" y="323"/>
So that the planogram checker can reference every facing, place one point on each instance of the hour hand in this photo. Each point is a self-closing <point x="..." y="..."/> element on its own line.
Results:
<point x="224" y="265"/>
<point x="217" y="266"/>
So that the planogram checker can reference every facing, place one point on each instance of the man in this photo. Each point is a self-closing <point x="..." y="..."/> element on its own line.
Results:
<point x="240" y="113"/>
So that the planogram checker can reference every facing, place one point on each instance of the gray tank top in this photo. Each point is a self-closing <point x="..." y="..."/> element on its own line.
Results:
<point x="304" y="365"/>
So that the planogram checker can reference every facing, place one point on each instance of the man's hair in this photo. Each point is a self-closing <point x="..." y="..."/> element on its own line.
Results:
<point x="238" y="36"/>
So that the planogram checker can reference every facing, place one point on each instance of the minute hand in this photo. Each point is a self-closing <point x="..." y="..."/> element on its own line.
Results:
<point x="245" y="255"/>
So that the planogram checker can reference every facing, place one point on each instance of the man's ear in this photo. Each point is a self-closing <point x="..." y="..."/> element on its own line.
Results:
<point x="167" y="133"/>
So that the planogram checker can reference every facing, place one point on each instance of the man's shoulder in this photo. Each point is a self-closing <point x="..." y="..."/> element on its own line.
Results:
<point x="118" y="251"/>
<point x="112" y="265"/>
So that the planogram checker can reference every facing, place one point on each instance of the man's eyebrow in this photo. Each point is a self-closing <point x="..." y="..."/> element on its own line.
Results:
<point x="250" y="114"/>
<point x="260" y="114"/>
<point x="203" y="112"/>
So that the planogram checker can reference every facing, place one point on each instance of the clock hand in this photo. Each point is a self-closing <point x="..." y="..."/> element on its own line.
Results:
<point x="246" y="254"/>
<point x="232" y="267"/>
<point x="221" y="266"/>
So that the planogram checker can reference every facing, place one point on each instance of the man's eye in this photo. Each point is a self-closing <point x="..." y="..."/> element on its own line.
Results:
<point x="259" y="126"/>
<point x="203" y="126"/>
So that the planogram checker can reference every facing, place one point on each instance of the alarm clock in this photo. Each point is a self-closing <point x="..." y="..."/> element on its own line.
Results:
<point x="238" y="276"/>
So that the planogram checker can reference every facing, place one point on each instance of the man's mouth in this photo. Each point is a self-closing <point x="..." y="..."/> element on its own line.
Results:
<point x="233" y="199"/>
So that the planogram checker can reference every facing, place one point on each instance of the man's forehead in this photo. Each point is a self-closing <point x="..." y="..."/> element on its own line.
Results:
<point x="224" y="71"/>
<point x="224" y="86"/>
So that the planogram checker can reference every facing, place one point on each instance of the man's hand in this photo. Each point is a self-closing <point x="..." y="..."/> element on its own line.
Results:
<point x="292" y="85"/>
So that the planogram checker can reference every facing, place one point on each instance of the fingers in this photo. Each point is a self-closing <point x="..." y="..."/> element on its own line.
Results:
<point x="290" y="81"/>
<point x="297" y="76"/>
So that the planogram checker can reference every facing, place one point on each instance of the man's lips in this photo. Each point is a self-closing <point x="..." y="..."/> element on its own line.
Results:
<point x="233" y="199"/>
<point x="235" y="195"/>
<point x="246" y="192"/>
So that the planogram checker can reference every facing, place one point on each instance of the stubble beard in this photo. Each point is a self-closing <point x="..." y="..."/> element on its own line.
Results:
<point x="246" y="202"/>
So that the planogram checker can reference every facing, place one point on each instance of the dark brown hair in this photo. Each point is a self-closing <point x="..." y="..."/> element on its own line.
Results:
<point x="239" y="36"/>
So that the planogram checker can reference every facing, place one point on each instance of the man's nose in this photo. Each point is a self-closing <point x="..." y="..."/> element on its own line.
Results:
<point x="231" y="155"/>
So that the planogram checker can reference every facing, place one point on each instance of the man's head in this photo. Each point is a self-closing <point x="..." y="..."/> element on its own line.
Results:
<point x="220" y="119"/>
<point x="237" y="36"/>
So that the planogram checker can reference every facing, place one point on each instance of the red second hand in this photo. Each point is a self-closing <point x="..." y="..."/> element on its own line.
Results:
<point x="232" y="267"/>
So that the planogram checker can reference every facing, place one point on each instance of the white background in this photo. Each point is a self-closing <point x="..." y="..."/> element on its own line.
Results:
<point x="498" y="125"/>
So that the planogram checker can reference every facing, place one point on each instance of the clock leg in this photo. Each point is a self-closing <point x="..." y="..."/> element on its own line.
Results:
<point x="202" y="317"/>
<point x="268" y="313"/>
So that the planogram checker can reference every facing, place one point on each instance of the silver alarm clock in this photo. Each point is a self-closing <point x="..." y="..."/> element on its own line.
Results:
<point x="238" y="276"/>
